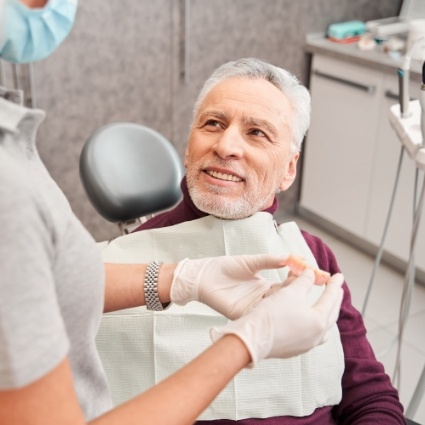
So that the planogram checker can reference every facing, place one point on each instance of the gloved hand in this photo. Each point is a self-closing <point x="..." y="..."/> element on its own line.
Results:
<point x="229" y="285"/>
<point x="283" y="325"/>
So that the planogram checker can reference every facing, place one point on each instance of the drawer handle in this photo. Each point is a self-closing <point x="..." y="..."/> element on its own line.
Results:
<point x="394" y="96"/>
<point x="391" y="95"/>
<point x="367" y="88"/>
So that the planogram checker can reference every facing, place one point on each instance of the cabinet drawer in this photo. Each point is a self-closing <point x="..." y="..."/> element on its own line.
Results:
<point x="340" y="143"/>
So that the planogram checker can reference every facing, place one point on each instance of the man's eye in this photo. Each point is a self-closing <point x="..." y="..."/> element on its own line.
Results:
<point x="212" y="123"/>
<point x="257" y="132"/>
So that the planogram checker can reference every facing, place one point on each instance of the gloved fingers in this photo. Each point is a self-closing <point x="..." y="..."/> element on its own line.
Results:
<point x="325" y="337"/>
<point x="329" y="303"/>
<point x="259" y="262"/>
<point x="336" y="280"/>
<point x="321" y="277"/>
<point x="298" y="264"/>
<point x="295" y="263"/>
<point x="289" y="279"/>
<point x="302" y="283"/>
<point x="276" y="286"/>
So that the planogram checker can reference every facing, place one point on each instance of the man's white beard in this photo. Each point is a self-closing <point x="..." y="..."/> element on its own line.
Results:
<point x="215" y="203"/>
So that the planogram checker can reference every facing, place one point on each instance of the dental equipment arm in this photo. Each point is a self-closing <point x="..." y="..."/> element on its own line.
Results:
<point x="422" y="102"/>
<point x="403" y="73"/>
<point x="403" y="87"/>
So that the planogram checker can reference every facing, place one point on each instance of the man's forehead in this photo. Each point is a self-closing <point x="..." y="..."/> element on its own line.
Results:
<point x="255" y="99"/>
<point x="245" y="86"/>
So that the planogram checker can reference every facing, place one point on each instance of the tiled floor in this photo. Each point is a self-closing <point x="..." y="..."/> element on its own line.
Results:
<point x="382" y="312"/>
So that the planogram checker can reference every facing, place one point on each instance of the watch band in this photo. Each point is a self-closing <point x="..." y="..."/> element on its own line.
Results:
<point x="151" y="287"/>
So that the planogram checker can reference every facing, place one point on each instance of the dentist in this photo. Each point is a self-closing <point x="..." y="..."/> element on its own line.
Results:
<point x="54" y="286"/>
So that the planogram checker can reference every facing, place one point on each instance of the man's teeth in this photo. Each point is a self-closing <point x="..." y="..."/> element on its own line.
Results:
<point x="223" y="176"/>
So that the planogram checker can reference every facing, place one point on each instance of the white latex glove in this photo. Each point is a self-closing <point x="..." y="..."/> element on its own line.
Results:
<point x="229" y="285"/>
<point x="283" y="325"/>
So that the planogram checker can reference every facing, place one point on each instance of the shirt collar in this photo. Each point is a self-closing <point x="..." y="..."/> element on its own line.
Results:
<point x="12" y="111"/>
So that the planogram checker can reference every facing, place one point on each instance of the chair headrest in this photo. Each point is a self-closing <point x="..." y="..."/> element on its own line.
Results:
<point x="129" y="171"/>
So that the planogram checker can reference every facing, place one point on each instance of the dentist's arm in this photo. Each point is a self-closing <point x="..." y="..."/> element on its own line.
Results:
<point x="231" y="285"/>
<point x="124" y="285"/>
<point x="180" y="398"/>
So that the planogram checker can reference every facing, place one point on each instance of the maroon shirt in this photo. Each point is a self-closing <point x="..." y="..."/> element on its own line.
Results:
<point x="367" y="394"/>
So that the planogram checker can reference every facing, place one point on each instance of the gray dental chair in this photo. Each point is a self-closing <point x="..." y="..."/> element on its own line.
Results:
<point x="130" y="171"/>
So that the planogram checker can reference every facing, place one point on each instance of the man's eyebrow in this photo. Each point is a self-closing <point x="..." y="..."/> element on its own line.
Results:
<point x="214" y="114"/>
<point x="258" y="122"/>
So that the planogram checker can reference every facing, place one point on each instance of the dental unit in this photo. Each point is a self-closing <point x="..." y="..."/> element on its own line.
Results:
<point x="408" y="121"/>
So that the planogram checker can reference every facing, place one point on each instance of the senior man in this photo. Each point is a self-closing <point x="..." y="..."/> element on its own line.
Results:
<point x="248" y="125"/>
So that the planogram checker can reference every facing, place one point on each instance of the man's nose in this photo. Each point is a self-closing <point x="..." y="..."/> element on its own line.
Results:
<point x="230" y="144"/>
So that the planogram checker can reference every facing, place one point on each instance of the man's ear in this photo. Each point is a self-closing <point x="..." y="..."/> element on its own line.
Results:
<point x="290" y="173"/>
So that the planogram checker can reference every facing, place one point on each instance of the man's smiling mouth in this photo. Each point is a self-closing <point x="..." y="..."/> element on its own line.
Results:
<point x="223" y="176"/>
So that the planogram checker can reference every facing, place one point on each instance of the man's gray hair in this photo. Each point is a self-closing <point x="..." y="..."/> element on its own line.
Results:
<point x="252" y="68"/>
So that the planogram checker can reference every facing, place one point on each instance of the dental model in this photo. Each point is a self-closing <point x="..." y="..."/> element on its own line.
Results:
<point x="298" y="265"/>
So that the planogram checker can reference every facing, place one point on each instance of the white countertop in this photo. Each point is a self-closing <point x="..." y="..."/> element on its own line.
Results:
<point x="318" y="43"/>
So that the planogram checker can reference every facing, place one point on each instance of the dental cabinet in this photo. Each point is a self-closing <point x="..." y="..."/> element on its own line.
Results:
<point x="351" y="152"/>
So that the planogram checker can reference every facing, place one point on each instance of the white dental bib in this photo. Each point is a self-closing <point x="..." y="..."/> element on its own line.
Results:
<point x="139" y="348"/>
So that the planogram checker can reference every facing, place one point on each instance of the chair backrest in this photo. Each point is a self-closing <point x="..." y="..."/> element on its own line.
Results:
<point x="130" y="171"/>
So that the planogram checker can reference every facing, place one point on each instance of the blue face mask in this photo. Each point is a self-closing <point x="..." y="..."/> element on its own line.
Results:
<point x="29" y="35"/>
